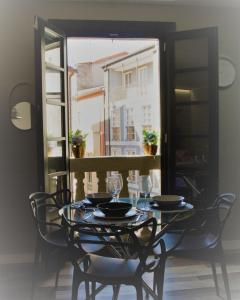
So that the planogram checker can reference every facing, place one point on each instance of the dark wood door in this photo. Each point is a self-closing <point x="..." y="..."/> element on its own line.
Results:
<point x="52" y="107"/>
<point x="192" y="109"/>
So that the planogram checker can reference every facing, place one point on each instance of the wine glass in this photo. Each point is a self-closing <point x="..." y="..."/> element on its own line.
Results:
<point x="133" y="190"/>
<point x="114" y="185"/>
<point x="145" y="187"/>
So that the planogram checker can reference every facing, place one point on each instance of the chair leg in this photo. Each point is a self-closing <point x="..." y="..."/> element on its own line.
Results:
<point x="160" y="278"/>
<point x="154" y="281"/>
<point x="87" y="290"/>
<point x="75" y="284"/>
<point x="93" y="290"/>
<point x="139" y="292"/>
<point x="225" y="276"/>
<point x="147" y="295"/>
<point x="116" y="289"/>
<point x="56" y="279"/>
<point x="213" y="265"/>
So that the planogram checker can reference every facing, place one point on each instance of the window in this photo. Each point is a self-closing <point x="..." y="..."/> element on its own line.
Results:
<point x="116" y="134"/>
<point x="142" y="80"/>
<point x="115" y="151"/>
<point x="147" y="117"/>
<point x="116" y="130"/>
<point x="128" y="79"/>
<point x="130" y="128"/>
<point x="130" y="151"/>
<point x="130" y="133"/>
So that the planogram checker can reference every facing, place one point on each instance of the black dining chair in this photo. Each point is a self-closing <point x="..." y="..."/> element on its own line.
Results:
<point x="51" y="240"/>
<point x="135" y="257"/>
<point x="203" y="237"/>
<point x="52" y="244"/>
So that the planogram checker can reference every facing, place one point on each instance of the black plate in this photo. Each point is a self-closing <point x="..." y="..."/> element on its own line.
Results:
<point x="114" y="209"/>
<point x="97" y="198"/>
<point x="130" y="214"/>
<point x="168" y="200"/>
<point x="168" y="207"/>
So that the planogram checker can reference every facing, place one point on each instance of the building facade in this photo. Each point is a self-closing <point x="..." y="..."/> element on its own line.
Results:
<point x="132" y="95"/>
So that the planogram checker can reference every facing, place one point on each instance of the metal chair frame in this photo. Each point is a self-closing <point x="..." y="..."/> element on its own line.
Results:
<point x="131" y="248"/>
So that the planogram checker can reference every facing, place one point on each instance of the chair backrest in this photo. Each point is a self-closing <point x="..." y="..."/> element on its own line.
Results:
<point x="45" y="210"/>
<point x="214" y="218"/>
<point x="224" y="204"/>
<point x="124" y="240"/>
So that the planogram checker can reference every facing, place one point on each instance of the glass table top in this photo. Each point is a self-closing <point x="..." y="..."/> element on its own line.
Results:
<point x="83" y="212"/>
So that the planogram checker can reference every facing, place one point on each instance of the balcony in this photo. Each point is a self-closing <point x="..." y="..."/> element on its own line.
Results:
<point x="102" y="165"/>
<point x="132" y="92"/>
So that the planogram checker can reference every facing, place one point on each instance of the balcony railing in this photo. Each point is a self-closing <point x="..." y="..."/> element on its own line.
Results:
<point x="102" y="165"/>
<point x="134" y="91"/>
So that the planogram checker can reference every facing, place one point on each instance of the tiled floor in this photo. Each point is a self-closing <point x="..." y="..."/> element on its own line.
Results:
<point x="184" y="279"/>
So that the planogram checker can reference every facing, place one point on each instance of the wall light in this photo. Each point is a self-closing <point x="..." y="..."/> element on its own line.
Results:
<point x="183" y="91"/>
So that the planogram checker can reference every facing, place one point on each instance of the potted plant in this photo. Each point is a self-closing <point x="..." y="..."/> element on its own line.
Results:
<point x="78" y="141"/>
<point x="150" y="141"/>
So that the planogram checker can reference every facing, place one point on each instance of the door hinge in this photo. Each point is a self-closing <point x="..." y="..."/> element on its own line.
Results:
<point x="164" y="47"/>
<point x="165" y="138"/>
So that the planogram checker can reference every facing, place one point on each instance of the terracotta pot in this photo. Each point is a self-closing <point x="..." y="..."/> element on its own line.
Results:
<point x="150" y="149"/>
<point x="78" y="150"/>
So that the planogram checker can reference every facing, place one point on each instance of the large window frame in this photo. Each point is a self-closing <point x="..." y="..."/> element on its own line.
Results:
<point x="166" y="34"/>
<point x="133" y="30"/>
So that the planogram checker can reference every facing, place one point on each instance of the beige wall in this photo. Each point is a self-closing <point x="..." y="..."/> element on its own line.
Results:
<point x="18" y="149"/>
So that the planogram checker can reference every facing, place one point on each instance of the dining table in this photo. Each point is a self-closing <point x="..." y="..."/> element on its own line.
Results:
<point x="142" y="209"/>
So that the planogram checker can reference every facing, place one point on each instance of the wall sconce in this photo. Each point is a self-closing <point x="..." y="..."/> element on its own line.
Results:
<point x="15" y="114"/>
<point x="20" y="99"/>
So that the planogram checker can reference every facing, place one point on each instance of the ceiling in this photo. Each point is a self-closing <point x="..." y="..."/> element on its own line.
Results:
<point x="233" y="3"/>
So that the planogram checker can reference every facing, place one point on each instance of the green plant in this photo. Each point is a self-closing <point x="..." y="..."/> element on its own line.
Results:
<point x="77" y="137"/>
<point x="150" y="137"/>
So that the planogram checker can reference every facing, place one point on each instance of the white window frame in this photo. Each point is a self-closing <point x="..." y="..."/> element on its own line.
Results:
<point x="117" y="150"/>
<point x="147" y="115"/>
<point x="142" y="80"/>
<point x="129" y="123"/>
<point x="127" y="79"/>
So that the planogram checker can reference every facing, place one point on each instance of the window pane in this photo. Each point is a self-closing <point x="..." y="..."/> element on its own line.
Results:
<point x="56" y="159"/>
<point x="53" y="82"/>
<point x="191" y="152"/>
<point x="56" y="183"/>
<point x="116" y="134"/>
<point x="54" y="121"/>
<point x="192" y="119"/>
<point x="191" y="86"/>
<point x="52" y="48"/>
<point x="191" y="53"/>
<point x="130" y="133"/>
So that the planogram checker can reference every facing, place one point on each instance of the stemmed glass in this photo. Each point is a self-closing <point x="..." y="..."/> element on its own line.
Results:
<point x="145" y="187"/>
<point x="114" y="185"/>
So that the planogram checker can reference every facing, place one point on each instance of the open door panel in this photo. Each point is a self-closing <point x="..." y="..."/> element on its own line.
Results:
<point x="52" y="107"/>
<point x="192" y="109"/>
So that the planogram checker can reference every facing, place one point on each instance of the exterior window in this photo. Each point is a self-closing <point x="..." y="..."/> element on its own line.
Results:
<point x="142" y="80"/>
<point x="147" y="117"/>
<point x="115" y="151"/>
<point x="128" y="79"/>
<point x="130" y="133"/>
<point x="130" y="151"/>
<point x="116" y="134"/>
<point x="116" y="130"/>
<point x="130" y="128"/>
